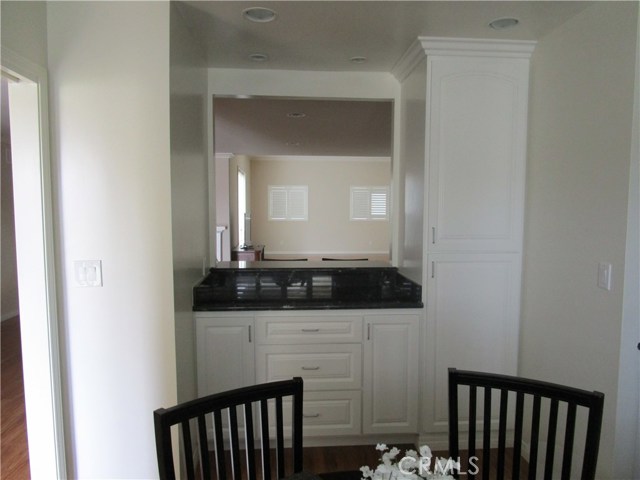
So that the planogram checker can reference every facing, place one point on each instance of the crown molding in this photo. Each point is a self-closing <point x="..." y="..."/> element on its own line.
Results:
<point x="477" y="47"/>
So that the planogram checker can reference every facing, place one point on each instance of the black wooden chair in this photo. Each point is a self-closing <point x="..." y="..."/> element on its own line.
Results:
<point x="196" y="417"/>
<point x="551" y="396"/>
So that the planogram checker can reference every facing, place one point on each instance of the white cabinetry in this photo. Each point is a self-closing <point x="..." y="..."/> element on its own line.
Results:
<point x="475" y="136"/>
<point x="356" y="381"/>
<point x="473" y="308"/>
<point x="225" y="353"/>
<point x="325" y="349"/>
<point x="476" y="152"/>
<point x="391" y="374"/>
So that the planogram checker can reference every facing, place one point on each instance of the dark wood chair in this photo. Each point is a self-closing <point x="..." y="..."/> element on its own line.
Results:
<point x="197" y="417"/>
<point x="551" y="397"/>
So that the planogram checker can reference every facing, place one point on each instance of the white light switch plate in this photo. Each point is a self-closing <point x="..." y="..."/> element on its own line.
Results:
<point x="604" y="275"/>
<point x="88" y="273"/>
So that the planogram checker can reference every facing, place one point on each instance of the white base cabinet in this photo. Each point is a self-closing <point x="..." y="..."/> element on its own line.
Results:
<point x="225" y="352"/>
<point x="360" y="368"/>
<point x="391" y="375"/>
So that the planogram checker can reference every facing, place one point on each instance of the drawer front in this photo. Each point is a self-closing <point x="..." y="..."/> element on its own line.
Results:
<point x="332" y="413"/>
<point x="322" y="367"/>
<point x="308" y="329"/>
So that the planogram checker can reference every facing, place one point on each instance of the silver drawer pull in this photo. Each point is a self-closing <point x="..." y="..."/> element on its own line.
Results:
<point x="310" y="368"/>
<point x="310" y="415"/>
<point x="310" y="330"/>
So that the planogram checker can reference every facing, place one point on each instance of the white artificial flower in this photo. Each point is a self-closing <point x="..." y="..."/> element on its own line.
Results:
<point x="412" y="453"/>
<point x="393" y="453"/>
<point x="425" y="451"/>
<point x="381" y="446"/>
<point x="366" y="472"/>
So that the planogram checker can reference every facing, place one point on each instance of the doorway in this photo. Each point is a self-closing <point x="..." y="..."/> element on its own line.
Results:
<point x="28" y="110"/>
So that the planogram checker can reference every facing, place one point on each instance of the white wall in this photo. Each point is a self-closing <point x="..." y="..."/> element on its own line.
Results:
<point x="109" y="90"/>
<point x="237" y="162"/>
<point x="329" y="232"/>
<point x="412" y="154"/>
<point x="189" y="189"/>
<point x="576" y="206"/>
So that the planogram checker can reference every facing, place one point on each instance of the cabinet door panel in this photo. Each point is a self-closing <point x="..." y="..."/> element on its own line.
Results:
<point x="473" y="316"/>
<point x="390" y="400"/>
<point x="477" y="153"/>
<point x="225" y="354"/>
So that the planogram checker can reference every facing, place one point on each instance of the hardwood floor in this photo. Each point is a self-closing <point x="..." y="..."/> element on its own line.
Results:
<point x="14" y="454"/>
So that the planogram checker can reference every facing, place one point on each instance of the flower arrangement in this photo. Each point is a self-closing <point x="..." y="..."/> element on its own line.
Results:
<point x="412" y="466"/>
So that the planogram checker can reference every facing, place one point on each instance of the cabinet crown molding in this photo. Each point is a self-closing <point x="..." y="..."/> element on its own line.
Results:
<point x="476" y="47"/>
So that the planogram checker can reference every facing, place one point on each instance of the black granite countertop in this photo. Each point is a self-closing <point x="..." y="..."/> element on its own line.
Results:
<point x="305" y="286"/>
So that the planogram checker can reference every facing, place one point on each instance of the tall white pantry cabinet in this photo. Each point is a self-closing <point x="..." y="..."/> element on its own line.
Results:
<point x="475" y="122"/>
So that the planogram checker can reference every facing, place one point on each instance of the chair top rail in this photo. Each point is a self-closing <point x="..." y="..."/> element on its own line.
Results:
<point x="564" y="393"/>
<point x="232" y="398"/>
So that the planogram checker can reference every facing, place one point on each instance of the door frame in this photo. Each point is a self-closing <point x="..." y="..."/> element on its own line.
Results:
<point x="37" y="273"/>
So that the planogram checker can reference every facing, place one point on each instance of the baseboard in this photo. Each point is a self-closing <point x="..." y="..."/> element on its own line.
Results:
<point x="8" y="315"/>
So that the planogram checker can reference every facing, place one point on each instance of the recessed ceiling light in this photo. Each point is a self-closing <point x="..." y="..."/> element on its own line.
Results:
<point x="259" y="57"/>
<point x="358" y="59"/>
<point x="259" y="14"/>
<point x="502" y="23"/>
<point x="296" y="115"/>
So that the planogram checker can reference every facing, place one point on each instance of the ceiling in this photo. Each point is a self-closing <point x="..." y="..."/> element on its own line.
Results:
<point x="323" y="36"/>
<point x="272" y="126"/>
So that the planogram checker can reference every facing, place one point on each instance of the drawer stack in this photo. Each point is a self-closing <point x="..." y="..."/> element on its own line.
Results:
<point x="327" y="354"/>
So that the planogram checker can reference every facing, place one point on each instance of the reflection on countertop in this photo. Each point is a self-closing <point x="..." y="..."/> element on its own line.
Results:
<point x="278" y="285"/>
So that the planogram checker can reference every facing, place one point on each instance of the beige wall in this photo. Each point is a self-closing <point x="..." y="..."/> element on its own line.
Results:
<point x="329" y="231"/>
<point x="576" y="208"/>
<point x="189" y="190"/>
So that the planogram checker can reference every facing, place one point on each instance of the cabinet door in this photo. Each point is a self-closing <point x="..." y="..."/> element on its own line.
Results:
<point x="225" y="353"/>
<point x="476" y="152"/>
<point x="390" y="367"/>
<point x="473" y="308"/>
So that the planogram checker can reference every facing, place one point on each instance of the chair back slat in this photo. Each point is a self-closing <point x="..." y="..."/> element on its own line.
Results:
<point x="568" y="441"/>
<point x="551" y="440"/>
<point x="234" y="443"/>
<point x="486" y="434"/>
<point x="561" y="405"/>
<point x="517" y="436"/>
<point x="217" y="415"/>
<point x="188" y="450"/>
<point x="204" y="447"/>
<point x="264" y="434"/>
<point x="473" y="399"/>
<point x="535" y="436"/>
<point x="279" y="438"/>
<point x="249" y="445"/>
<point x="221" y="464"/>
<point x="502" y="432"/>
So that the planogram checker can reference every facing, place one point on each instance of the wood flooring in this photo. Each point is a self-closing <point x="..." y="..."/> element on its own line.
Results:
<point x="14" y="454"/>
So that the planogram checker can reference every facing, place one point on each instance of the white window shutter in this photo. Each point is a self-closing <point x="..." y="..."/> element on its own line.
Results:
<point x="288" y="202"/>
<point x="297" y="203"/>
<point x="360" y="203"/>
<point x="379" y="202"/>
<point x="277" y="203"/>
